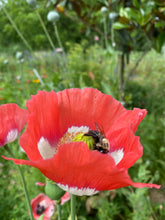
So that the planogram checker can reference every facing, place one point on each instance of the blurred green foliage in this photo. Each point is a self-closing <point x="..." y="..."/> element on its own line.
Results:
<point x="27" y="21"/>
<point x="137" y="26"/>
<point x="90" y="66"/>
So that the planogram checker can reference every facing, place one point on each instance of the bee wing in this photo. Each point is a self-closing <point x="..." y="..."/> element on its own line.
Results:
<point x="101" y="130"/>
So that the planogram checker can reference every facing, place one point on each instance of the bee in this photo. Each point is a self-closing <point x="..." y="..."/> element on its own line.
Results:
<point x="101" y="143"/>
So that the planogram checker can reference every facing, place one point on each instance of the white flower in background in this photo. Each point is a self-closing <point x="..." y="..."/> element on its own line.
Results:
<point x="104" y="10"/>
<point x="59" y="50"/>
<point x="19" y="55"/>
<point x="20" y="61"/>
<point x="32" y="3"/>
<point x="53" y="16"/>
<point x="6" y="61"/>
<point x="18" y="77"/>
<point x="112" y="15"/>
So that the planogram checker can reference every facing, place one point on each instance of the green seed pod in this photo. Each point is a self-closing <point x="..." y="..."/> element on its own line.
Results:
<point x="86" y="139"/>
<point x="53" y="191"/>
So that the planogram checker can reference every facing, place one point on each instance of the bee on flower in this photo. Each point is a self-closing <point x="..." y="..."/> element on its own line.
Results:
<point x="63" y="141"/>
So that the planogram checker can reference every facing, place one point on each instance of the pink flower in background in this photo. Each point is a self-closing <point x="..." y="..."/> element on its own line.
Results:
<point x="42" y="204"/>
<point x="12" y="121"/>
<point x="96" y="38"/>
<point x="40" y="184"/>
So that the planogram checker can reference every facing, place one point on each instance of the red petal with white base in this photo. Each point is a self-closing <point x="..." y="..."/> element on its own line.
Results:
<point x="125" y="139"/>
<point x="12" y="121"/>
<point x="43" y="121"/>
<point x="52" y="114"/>
<point x="121" y="136"/>
<point x="76" y="166"/>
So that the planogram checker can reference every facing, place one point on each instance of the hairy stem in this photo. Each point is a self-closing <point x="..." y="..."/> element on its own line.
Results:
<point x="17" y="30"/>
<point x="23" y="183"/>
<point x="45" y="30"/>
<point x="73" y="206"/>
<point x="59" y="211"/>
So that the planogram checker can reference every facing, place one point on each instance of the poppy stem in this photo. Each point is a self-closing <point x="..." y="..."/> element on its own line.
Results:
<point x="17" y="30"/>
<point x="73" y="206"/>
<point x="23" y="183"/>
<point x="45" y="30"/>
<point x="58" y="37"/>
<point x="59" y="211"/>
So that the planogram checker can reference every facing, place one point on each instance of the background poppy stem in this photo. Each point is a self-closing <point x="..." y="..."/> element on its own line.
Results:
<point x="23" y="183"/>
<point x="59" y="211"/>
<point x="73" y="206"/>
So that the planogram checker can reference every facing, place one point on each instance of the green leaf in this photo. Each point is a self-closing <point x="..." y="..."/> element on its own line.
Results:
<point x="118" y="25"/>
<point x="159" y="24"/>
<point x="160" y="41"/>
<point x="136" y="3"/>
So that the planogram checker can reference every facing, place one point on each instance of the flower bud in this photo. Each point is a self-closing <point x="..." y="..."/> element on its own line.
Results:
<point x="104" y="10"/>
<point x="53" y="16"/>
<point x="53" y="191"/>
<point x="60" y="8"/>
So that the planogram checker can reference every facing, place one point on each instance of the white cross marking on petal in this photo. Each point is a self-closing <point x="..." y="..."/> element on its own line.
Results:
<point x="117" y="155"/>
<point x="12" y="135"/>
<point x="75" y="129"/>
<point x="45" y="149"/>
<point x="78" y="191"/>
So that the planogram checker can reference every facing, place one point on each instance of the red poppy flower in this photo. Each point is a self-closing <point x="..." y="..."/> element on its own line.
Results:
<point x="12" y="121"/>
<point x="42" y="204"/>
<point x="55" y="119"/>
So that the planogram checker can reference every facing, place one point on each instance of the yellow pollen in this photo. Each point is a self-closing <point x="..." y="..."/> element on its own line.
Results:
<point x="67" y="138"/>
<point x="76" y="137"/>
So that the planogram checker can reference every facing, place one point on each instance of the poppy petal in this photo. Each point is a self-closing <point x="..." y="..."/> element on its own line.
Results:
<point x="43" y="121"/>
<point x="65" y="198"/>
<point x="150" y="185"/>
<point x="125" y="141"/>
<point x="12" y="121"/>
<point x="72" y="165"/>
<point x="85" y="107"/>
<point x="93" y="170"/>
<point x="130" y="119"/>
